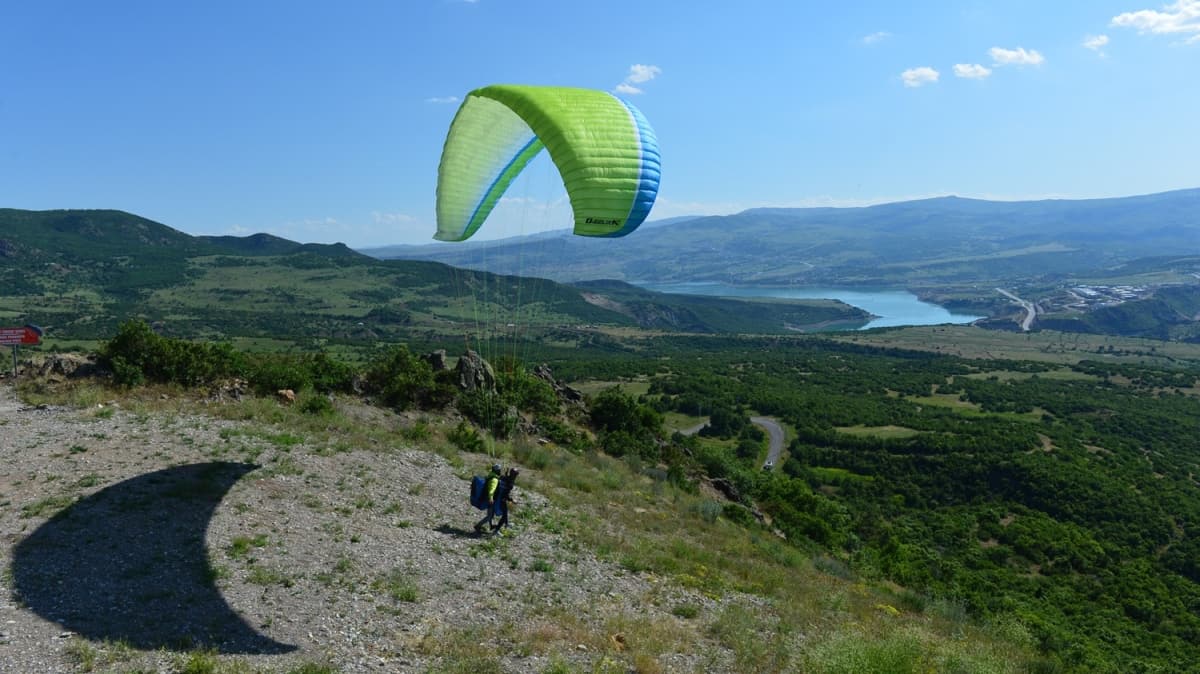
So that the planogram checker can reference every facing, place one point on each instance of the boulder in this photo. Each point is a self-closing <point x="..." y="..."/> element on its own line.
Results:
<point x="564" y="392"/>
<point x="727" y="488"/>
<point x="436" y="360"/>
<point x="231" y="389"/>
<point x="68" y="365"/>
<point x="475" y="373"/>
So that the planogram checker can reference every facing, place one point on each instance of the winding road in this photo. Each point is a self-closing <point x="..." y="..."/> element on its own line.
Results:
<point x="774" y="433"/>
<point x="1030" y="309"/>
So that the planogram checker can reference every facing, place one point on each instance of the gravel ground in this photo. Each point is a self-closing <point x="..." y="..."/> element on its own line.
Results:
<point x="174" y="533"/>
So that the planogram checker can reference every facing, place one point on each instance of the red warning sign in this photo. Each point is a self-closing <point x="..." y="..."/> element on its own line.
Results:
<point x="29" y="334"/>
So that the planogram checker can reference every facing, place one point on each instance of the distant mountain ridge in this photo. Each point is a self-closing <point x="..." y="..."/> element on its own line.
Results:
<point x="85" y="233"/>
<point x="928" y="241"/>
<point x="82" y="272"/>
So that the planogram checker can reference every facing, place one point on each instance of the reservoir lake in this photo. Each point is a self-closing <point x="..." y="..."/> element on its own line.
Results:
<point x="891" y="308"/>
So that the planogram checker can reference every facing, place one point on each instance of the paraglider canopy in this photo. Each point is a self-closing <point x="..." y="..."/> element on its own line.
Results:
<point x="603" y="147"/>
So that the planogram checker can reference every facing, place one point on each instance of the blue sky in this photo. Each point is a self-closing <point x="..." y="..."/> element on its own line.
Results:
<point x="323" y="122"/>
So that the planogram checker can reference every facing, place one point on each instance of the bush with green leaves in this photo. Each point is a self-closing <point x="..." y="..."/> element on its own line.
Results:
<point x="274" y="372"/>
<point x="317" y="406"/>
<point x="465" y="437"/>
<point x="138" y="354"/>
<point x="400" y="378"/>
<point x="484" y="408"/>
<point x="522" y="390"/>
<point x="725" y="422"/>
<point x="516" y="391"/>
<point x="560" y="433"/>
<point x="271" y="372"/>
<point x="625" y="425"/>
<point x="329" y="375"/>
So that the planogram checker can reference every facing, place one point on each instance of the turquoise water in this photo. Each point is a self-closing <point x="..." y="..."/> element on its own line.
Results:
<point x="891" y="307"/>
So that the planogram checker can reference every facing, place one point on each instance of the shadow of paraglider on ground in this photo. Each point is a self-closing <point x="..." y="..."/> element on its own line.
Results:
<point x="456" y="531"/>
<point x="128" y="563"/>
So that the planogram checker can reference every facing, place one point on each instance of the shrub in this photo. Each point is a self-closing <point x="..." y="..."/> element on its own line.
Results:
<point x="418" y="432"/>
<point x="137" y="354"/>
<point x="465" y="437"/>
<point x="688" y="611"/>
<point x="400" y="378"/>
<point x="558" y="432"/>
<point x="525" y="391"/>
<point x="709" y="511"/>
<point x="271" y="373"/>
<point x="484" y="408"/>
<point x="329" y="375"/>
<point x="317" y="405"/>
<point x="738" y="514"/>
<point x="626" y="426"/>
<point x="531" y="455"/>
<point x="125" y="373"/>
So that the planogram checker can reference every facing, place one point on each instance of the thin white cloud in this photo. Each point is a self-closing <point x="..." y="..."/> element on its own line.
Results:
<point x="1096" y="43"/>
<point x="638" y="74"/>
<point x="1178" y="18"/>
<point x="971" y="71"/>
<point x="381" y="218"/>
<point x="1016" y="57"/>
<point x="916" y="77"/>
<point x="877" y="36"/>
<point x="442" y="99"/>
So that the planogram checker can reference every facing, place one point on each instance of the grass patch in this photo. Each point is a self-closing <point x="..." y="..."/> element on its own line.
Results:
<point x="82" y="654"/>
<point x="240" y="546"/>
<point x="399" y="584"/>
<point x="687" y="611"/>
<point x="878" y="431"/>
<point x="88" y="481"/>
<point x="198" y="662"/>
<point x="48" y="506"/>
<point x="261" y="575"/>
<point x="829" y="475"/>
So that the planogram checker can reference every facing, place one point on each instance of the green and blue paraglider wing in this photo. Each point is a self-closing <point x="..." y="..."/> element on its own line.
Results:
<point x="603" y="147"/>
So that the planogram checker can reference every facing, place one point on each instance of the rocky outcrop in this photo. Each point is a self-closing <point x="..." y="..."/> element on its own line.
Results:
<point x="727" y="488"/>
<point x="475" y="373"/>
<point x="67" y="365"/>
<point x="230" y="389"/>
<point x="436" y="360"/>
<point x="565" y="393"/>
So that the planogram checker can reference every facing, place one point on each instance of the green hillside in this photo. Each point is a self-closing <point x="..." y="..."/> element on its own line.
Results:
<point x="1063" y="496"/>
<point x="929" y="512"/>
<point x="81" y="273"/>
<point x="690" y="313"/>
